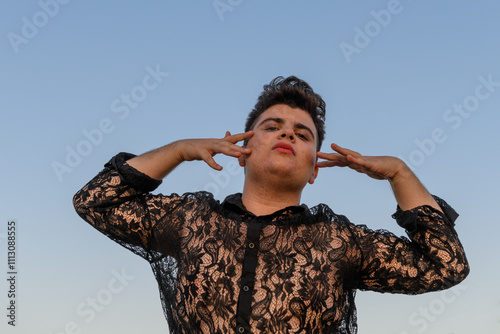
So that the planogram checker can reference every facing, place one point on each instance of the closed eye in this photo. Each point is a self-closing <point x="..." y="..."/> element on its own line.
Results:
<point x="302" y="136"/>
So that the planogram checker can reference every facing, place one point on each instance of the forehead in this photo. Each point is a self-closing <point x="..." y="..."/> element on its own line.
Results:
<point x="288" y="114"/>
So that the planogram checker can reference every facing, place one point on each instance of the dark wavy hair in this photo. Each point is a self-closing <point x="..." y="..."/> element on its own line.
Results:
<point x="295" y="93"/>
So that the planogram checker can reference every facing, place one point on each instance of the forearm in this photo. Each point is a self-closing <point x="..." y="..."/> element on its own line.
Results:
<point x="432" y="259"/>
<point x="115" y="184"/>
<point x="114" y="203"/>
<point x="160" y="162"/>
<point x="409" y="191"/>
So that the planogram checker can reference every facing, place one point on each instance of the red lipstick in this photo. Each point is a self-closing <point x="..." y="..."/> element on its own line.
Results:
<point x="284" y="147"/>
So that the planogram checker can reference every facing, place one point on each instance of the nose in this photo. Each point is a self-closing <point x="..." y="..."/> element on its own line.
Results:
<point x="288" y="133"/>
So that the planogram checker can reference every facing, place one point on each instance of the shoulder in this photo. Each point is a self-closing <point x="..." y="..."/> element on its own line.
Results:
<point x="323" y="212"/>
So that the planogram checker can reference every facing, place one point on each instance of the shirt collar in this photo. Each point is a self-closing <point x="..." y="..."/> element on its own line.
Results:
<point x="234" y="203"/>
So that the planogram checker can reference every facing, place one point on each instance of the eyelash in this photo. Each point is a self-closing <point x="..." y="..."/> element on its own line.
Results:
<point x="300" y="135"/>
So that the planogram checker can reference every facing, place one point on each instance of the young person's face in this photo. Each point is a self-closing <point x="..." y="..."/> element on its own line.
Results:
<point x="284" y="143"/>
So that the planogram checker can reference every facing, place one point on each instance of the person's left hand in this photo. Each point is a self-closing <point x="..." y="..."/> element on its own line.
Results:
<point x="377" y="167"/>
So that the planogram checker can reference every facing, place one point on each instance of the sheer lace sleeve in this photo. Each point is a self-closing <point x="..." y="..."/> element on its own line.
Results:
<point x="433" y="258"/>
<point x="117" y="203"/>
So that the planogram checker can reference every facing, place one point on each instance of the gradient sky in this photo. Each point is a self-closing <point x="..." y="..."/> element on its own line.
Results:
<point x="415" y="79"/>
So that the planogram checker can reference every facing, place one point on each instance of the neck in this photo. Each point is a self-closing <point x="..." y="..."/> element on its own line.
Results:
<point x="262" y="199"/>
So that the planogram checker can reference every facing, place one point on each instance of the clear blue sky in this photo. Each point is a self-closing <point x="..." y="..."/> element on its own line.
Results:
<point x="83" y="80"/>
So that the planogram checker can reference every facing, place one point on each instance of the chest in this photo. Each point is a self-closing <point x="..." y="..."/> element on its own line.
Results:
<point x="254" y="274"/>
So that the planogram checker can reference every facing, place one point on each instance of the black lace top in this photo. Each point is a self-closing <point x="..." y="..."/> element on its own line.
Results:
<point x="221" y="269"/>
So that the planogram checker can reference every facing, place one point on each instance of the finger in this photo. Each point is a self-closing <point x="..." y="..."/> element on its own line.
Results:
<point x="332" y="156"/>
<point x="363" y="166"/>
<point x="323" y="164"/>
<point x="225" y="147"/>
<point x="344" y="151"/>
<point x="359" y="161"/>
<point x="210" y="161"/>
<point x="323" y="155"/>
<point x="238" y="137"/>
<point x="228" y="134"/>
<point x="233" y="150"/>
<point x="356" y="160"/>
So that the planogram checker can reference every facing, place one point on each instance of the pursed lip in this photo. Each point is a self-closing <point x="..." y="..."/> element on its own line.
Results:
<point x="284" y="147"/>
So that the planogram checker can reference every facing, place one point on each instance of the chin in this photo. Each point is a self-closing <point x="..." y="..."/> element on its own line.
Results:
<point x="280" y="167"/>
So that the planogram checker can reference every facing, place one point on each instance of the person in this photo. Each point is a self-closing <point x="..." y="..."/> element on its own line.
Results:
<point x="261" y="262"/>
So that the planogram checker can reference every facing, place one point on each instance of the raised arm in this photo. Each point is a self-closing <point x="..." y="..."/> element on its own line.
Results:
<point x="160" y="162"/>
<point x="118" y="202"/>
<point x="432" y="259"/>
<point x="408" y="190"/>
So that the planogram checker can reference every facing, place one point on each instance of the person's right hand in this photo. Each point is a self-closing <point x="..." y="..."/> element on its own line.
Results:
<point x="205" y="149"/>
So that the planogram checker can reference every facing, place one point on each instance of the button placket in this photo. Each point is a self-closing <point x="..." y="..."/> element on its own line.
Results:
<point x="250" y="261"/>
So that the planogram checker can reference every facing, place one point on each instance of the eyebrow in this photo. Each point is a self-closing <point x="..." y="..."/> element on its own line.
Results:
<point x="282" y="121"/>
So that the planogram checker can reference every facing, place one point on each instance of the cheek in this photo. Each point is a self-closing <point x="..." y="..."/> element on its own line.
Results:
<point x="310" y="156"/>
<point x="257" y="140"/>
<point x="253" y="144"/>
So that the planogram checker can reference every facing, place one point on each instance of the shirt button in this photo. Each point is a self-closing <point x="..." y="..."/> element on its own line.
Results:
<point x="246" y="288"/>
<point x="251" y="245"/>
<point x="241" y="329"/>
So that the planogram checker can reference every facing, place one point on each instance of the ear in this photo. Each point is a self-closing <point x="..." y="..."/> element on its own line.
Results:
<point x="314" y="175"/>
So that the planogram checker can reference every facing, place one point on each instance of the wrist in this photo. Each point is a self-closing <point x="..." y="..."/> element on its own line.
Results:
<point x="402" y="173"/>
<point x="177" y="148"/>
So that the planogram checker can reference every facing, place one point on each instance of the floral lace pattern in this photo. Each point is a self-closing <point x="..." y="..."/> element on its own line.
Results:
<point x="220" y="269"/>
